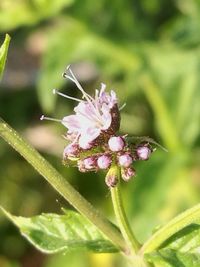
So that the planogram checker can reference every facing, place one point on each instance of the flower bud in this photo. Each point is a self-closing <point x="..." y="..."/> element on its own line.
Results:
<point x="127" y="173"/>
<point x="89" y="163"/>
<point x="71" y="150"/>
<point x="81" y="166"/>
<point x="143" y="152"/>
<point x="104" y="161"/>
<point x="116" y="143"/>
<point x="125" y="160"/>
<point x="112" y="177"/>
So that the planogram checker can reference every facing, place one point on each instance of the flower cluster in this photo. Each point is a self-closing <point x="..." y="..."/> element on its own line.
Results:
<point x="92" y="135"/>
<point x="115" y="150"/>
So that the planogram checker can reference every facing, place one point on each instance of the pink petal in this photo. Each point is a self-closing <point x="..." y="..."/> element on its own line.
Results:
<point x="106" y="117"/>
<point x="71" y="122"/>
<point x="88" y="136"/>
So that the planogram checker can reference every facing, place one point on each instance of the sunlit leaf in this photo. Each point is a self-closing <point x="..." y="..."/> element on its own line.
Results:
<point x="53" y="233"/>
<point x="182" y="249"/>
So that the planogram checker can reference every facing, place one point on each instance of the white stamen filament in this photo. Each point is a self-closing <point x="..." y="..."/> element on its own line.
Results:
<point x="89" y="99"/>
<point x="79" y="85"/>
<point x="66" y="96"/>
<point x="73" y="79"/>
<point x="49" y="119"/>
<point x="85" y="95"/>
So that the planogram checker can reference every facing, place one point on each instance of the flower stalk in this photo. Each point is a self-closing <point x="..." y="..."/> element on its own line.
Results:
<point x="120" y="214"/>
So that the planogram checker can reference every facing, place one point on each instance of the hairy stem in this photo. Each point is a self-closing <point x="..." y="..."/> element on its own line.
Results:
<point x="124" y="225"/>
<point x="60" y="184"/>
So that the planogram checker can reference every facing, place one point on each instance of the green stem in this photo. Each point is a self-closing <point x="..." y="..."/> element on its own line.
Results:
<point x="124" y="225"/>
<point x="184" y="219"/>
<point x="60" y="184"/>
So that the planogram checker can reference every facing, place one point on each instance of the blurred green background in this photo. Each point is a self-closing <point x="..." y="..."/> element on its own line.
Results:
<point x="149" y="52"/>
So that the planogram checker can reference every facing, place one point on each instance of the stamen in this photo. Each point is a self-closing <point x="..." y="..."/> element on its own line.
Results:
<point x="96" y="94"/>
<point x="68" y="67"/>
<point x="103" y="87"/>
<point x="122" y="106"/>
<point x="73" y="79"/>
<point x="49" y="119"/>
<point x="64" y="74"/>
<point x="89" y="99"/>
<point x="66" y="96"/>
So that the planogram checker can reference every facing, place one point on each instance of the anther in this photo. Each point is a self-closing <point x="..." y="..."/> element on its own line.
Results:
<point x="64" y="75"/>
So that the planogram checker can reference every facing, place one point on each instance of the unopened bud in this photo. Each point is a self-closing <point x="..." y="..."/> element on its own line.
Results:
<point x="143" y="152"/>
<point x="87" y="164"/>
<point x="116" y="143"/>
<point x="112" y="177"/>
<point x="81" y="166"/>
<point x="104" y="161"/>
<point x="127" y="173"/>
<point x="70" y="151"/>
<point x="125" y="160"/>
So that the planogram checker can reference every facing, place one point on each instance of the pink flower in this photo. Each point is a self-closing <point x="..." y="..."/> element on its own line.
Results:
<point x="93" y="115"/>
<point x="92" y="138"/>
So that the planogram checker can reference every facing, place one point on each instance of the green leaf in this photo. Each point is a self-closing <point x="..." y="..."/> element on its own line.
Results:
<point x="173" y="227"/>
<point x="53" y="233"/>
<point x="181" y="250"/>
<point x="3" y="53"/>
<point x="177" y="244"/>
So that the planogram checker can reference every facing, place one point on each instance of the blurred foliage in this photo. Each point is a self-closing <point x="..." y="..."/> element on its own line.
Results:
<point x="24" y="13"/>
<point x="149" y="51"/>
